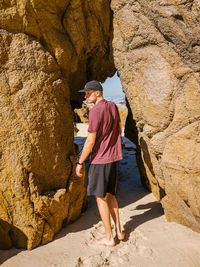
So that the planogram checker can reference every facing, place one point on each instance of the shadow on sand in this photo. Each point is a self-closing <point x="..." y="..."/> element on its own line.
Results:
<point x="8" y="237"/>
<point x="130" y="192"/>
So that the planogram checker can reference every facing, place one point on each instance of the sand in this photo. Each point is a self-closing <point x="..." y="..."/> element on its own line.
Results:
<point x="150" y="239"/>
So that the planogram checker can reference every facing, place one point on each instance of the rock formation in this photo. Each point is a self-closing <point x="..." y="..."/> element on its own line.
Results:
<point x="81" y="114"/>
<point x="77" y="33"/>
<point x="156" y="51"/>
<point x="38" y="185"/>
<point x="47" y="50"/>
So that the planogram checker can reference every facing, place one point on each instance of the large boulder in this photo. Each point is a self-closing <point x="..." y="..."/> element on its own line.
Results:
<point x="48" y="50"/>
<point x="77" y="33"/>
<point x="37" y="190"/>
<point x="157" y="54"/>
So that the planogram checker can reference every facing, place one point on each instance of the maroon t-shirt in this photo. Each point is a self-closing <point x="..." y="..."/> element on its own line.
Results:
<point x="105" y="121"/>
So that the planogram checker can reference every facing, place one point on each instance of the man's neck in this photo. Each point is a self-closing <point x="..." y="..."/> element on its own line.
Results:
<point x="99" y="99"/>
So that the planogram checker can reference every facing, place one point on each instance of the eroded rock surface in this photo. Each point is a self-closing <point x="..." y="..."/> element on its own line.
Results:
<point x="37" y="187"/>
<point x="157" y="54"/>
<point x="48" y="49"/>
<point x="76" y="32"/>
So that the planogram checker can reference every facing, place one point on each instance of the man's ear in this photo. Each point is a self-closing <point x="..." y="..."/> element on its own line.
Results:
<point x="98" y="93"/>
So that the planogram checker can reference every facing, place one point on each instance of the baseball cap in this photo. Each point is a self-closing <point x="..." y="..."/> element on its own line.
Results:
<point x="92" y="85"/>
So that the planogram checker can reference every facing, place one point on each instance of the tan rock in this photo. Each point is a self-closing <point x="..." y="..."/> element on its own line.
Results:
<point x="36" y="148"/>
<point x="48" y="50"/>
<point x="123" y="112"/>
<point x="65" y="44"/>
<point x="77" y="33"/>
<point x="81" y="114"/>
<point x="181" y="170"/>
<point x="156" y="52"/>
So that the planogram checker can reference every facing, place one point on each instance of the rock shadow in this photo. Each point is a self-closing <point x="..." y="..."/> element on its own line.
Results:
<point x="131" y="190"/>
<point x="10" y="236"/>
<point x="88" y="219"/>
<point x="131" y="132"/>
<point x="155" y="210"/>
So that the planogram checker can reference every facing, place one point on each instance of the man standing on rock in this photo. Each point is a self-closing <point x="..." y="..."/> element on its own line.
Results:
<point x="104" y="143"/>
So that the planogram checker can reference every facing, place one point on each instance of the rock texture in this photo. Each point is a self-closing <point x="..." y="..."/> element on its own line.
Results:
<point x="76" y="32"/>
<point x="38" y="187"/>
<point x="157" y="54"/>
<point x="47" y="50"/>
<point x="81" y="114"/>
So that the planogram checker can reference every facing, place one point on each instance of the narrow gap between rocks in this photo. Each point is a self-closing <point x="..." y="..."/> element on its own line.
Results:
<point x="131" y="191"/>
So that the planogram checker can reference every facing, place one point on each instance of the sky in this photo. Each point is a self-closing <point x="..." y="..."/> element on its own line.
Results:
<point x="112" y="87"/>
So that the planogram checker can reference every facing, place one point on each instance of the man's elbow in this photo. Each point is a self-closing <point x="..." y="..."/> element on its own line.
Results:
<point x="91" y="139"/>
<point x="91" y="143"/>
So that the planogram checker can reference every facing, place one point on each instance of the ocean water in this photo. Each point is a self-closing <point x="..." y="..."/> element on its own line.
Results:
<point x="117" y="99"/>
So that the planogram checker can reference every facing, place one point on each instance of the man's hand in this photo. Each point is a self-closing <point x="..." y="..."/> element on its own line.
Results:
<point x="87" y="148"/>
<point x="79" y="170"/>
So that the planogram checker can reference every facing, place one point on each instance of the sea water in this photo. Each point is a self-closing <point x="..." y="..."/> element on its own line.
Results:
<point x="117" y="99"/>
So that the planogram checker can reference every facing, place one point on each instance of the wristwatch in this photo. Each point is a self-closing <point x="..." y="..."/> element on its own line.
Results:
<point x="79" y="163"/>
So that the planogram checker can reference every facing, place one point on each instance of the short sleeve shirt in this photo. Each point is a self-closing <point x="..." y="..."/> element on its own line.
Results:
<point x="104" y="119"/>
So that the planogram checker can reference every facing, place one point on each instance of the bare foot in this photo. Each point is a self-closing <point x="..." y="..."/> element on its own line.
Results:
<point x="106" y="242"/>
<point x="121" y="235"/>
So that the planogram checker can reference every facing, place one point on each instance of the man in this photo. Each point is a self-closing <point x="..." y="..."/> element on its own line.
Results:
<point x="104" y="143"/>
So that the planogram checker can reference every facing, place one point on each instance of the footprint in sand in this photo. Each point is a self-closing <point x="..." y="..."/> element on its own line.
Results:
<point x="137" y="240"/>
<point x="93" y="261"/>
<point x="97" y="231"/>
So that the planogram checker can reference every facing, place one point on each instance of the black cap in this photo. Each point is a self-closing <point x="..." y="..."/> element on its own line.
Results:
<point x="92" y="86"/>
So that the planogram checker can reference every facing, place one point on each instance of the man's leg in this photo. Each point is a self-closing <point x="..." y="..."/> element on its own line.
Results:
<point x="114" y="210"/>
<point x="104" y="211"/>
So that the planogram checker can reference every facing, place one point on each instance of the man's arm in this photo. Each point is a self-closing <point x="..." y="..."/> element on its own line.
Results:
<point x="87" y="148"/>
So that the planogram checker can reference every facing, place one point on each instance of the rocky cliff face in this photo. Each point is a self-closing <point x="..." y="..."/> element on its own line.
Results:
<point x="37" y="153"/>
<point x="47" y="49"/>
<point x="77" y="33"/>
<point x="157" y="54"/>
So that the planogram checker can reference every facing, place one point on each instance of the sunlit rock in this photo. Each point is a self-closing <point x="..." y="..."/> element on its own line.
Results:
<point x="157" y="54"/>
<point x="48" y="50"/>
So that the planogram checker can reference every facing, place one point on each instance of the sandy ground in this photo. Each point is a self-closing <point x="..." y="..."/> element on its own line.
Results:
<point x="150" y="239"/>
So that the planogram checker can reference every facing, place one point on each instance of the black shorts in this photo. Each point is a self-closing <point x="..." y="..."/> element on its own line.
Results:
<point x="102" y="179"/>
